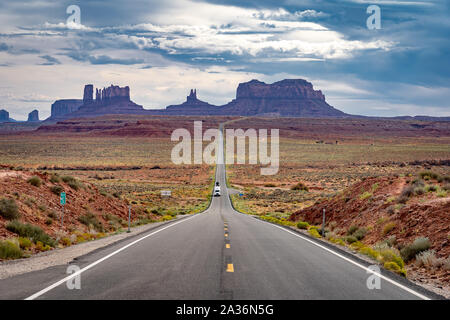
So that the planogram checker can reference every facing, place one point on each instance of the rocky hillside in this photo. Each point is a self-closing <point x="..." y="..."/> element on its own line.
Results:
<point x="30" y="209"/>
<point x="400" y="207"/>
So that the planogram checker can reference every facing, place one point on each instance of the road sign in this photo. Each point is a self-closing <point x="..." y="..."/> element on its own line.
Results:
<point x="166" y="193"/>
<point x="63" y="198"/>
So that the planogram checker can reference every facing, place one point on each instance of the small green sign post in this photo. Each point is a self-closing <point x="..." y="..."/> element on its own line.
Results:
<point x="63" y="202"/>
<point x="63" y="198"/>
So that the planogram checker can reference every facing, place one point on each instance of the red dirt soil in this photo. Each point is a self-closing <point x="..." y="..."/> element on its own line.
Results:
<point x="14" y="185"/>
<point x="422" y="216"/>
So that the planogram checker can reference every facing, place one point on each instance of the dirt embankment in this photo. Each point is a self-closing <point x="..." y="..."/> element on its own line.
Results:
<point x="40" y="205"/>
<point x="376" y="204"/>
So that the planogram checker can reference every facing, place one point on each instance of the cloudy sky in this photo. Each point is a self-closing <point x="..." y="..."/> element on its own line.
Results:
<point x="161" y="49"/>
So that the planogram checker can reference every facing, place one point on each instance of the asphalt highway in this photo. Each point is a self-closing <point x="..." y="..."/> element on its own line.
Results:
<point x="217" y="254"/>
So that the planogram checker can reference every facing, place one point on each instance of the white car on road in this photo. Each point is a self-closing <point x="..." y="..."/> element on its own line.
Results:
<point x="217" y="191"/>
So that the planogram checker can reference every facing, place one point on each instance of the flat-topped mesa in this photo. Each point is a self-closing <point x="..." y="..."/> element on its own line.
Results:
<point x="285" y="89"/>
<point x="61" y="108"/>
<point x="286" y="98"/>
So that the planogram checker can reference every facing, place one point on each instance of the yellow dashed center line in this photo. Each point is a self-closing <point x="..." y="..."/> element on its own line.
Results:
<point x="230" y="267"/>
<point x="226" y="235"/>
<point x="227" y="246"/>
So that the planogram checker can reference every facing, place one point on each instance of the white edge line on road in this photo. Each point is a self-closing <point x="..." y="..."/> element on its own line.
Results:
<point x="56" y="284"/>
<point x="352" y="262"/>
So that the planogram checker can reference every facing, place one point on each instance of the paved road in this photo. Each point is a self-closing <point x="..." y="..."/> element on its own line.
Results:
<point x="218" y="254"/>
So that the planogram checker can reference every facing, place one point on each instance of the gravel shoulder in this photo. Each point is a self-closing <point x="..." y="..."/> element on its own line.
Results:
<point x="66" y="255"/>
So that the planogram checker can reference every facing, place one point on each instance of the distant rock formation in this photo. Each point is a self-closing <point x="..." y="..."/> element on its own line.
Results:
<point x="287" y="98"/>
<point x="111" y="100"/>
<point x="4" y="116"/>
<point x="192" y="106"/>
<point x="62" y="108"/>
<point x="88" y="95"/>
<point x="33" y="116"/>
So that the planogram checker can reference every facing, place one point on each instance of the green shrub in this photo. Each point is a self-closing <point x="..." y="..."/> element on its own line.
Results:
<point x="429" y="174"/>
<point x="313" y="232"/>
<point x="431" y="188"/>
<point x="369" y="252"/>
<point x="65" y="242"/>
<point x="42" y="247"/>
<point x="392" y="266"/>
<point x="419" y="245"/>
<point x="388" y="255"/>
<point x="35" y="181"/>
<point x="365" y="195"/>
<point x="25" y="243"/>
<point x="9" y="209"/>
<point x="302" y="225"/>
<point x="351" y="230"/>
<point x="300" y="186"/>
<point x="57" y="189"/>
<point x="441" y="193"/>
<point x="90" y="219"/>
<point x="351" y="239"/>
<point x="30" y="231"/>
<point x="10" y="250"/>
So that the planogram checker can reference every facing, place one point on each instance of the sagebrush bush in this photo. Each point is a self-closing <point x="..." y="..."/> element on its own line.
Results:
<point x="360" y="233"/>
<point x="352" y="230"/>
<point x="428" y="259"/>
<point x="90" y="219"/>
<point x="429" y="174"/>
<point x="300" y="186"/>
<point x="408" y="191"/>
<point x="9" y="209"/>
<point x="35" y="233"/>
<point x="72" y="182"/>
<point x="388" y="228"/>
<point x="411" y="250"/>
<point x="10" y="250"/>
<point x="54" y="178"/>
<point x="35" y="181"/>
<point x="56" y="190"/>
